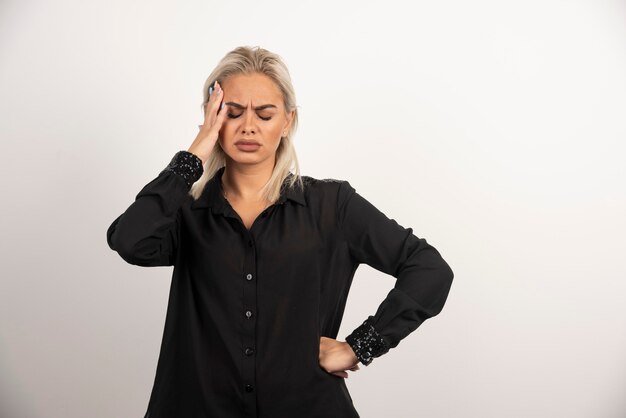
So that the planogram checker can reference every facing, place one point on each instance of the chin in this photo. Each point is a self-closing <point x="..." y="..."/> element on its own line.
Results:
<point x="246" y="157"/>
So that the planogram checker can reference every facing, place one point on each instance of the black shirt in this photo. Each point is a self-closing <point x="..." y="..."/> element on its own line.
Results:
<point x="247" y="308"/>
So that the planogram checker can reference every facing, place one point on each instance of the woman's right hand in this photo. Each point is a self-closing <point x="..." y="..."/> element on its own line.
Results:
<point x="203" y="145"/>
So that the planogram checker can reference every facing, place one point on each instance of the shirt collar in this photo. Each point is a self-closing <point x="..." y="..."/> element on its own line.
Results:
<point x="212" y="196"/>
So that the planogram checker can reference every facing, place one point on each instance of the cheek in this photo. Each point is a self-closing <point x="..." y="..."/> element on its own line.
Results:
<point x="227" y="129"/>
<point x="276" y="129"/>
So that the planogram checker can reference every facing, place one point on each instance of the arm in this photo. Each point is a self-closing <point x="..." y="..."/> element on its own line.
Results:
<point x="423" y="277"/>
<point x="146" y="234"/>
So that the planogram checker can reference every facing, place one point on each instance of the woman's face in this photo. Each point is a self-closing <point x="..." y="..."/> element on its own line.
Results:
<point x="255" y="112"/>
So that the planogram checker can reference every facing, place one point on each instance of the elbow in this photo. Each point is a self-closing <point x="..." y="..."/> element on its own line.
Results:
<point x="448" y="274"/>
<point x="112" y="234"/>
<point x="446" y="277"/>
<point x="124" y="247"/>
<point x="133" y="254"/>
<point x="140" y="249"/>
<point x="115" y="241"/>
<point x="442" y="279"/>
<point x="120" y="246"/>
<point x="124" y="251"/>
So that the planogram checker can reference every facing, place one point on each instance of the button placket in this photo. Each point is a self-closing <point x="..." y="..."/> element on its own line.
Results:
<point x="248" y="339"/>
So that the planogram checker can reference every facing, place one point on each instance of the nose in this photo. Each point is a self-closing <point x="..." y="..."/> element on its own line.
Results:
<point x="248" y="123"/>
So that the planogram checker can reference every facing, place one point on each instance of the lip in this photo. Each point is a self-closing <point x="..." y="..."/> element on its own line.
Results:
<point x="246" y="142"/>
<point x="244" y="145"/>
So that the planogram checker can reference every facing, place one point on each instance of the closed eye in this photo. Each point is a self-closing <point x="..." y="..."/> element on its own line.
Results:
<point x="231" y="116"/>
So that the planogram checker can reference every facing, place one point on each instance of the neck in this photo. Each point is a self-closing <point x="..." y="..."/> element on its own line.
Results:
<point x="244" y="183"/>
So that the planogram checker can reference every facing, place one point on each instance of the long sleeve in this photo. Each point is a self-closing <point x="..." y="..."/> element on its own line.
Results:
<point x="146" y="234"/>
<point x="423" y="277"/>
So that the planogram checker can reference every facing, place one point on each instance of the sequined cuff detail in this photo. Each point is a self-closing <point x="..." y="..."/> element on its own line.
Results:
<point x="367" y="343"/>
<point x="187" y="165"/>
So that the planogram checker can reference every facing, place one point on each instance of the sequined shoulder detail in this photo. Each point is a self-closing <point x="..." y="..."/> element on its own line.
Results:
<point x="306" y="180"/>
<point x="367" y="343"/>
<point x="187" y="165"/>
<point x="312" y="180"/>
<point x="329" y="180"/>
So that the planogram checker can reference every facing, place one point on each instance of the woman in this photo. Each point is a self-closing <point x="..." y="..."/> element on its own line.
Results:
<point x="263" y="261"/>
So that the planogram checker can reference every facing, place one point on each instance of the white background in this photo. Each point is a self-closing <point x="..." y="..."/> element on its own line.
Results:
<point x="494" y="128"/>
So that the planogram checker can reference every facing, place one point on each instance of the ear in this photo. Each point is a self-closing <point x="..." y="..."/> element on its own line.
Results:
<point x="290" y="117"/>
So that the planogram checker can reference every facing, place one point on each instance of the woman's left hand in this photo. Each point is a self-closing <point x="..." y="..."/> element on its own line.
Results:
<point x="337" y="356"/>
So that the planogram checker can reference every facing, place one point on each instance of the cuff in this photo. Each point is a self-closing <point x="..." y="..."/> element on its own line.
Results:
<point x="187" y="165"/>
<point x="367" y="343"/>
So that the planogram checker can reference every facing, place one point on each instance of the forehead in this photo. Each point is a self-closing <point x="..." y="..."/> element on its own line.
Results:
<point x="255" y="88"/>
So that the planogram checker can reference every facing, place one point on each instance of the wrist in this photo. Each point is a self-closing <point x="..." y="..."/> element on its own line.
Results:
<point x="198" y="153"/>
<point x="350" y="352"/>
<point x="367" y="343"/>
<point x="186" y="165"/>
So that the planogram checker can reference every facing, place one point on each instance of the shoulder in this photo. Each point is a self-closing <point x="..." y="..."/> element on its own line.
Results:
<point x="327" y="188"/>
<point x="321" y="184"/>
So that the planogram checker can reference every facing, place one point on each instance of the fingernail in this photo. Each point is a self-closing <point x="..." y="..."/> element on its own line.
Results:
<point x="222" y="106"/>
<point x="210" y="90"/>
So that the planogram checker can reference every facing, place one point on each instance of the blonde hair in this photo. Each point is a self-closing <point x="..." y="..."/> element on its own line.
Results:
<point x="248" y="60"/>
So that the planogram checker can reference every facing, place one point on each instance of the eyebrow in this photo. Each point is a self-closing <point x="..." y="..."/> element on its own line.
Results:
<point x="238" y="106"/>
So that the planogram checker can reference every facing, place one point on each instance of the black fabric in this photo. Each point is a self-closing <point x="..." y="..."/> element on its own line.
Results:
<point x="187" y="165"/>
<point x="247" y="308"/>
<point x="367" y="343"/>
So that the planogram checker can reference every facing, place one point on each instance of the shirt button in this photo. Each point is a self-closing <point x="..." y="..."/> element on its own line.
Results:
<point x="250" y="243"/>
<point x="248" y="388"/>
<point x="248" y="314"/>
<point x="249" y="351"/>
<point x="249" y="276"/>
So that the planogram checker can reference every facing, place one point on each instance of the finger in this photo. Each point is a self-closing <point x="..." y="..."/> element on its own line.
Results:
<point x="209" y="100"/>
<point x="212" y="107"/>
<point x="219" y="120"/>
<point x="221" y="112"/>
<point x="219" y="97"/>
<point x="212" y="92"/>
<point x="215" y="99"/>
